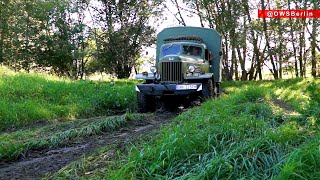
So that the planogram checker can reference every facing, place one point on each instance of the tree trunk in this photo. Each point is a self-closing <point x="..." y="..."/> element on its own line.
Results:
<point x="313" y="46"/>
<point x="235" y="62"/>
<point x="280" y="52"/>
<point x="1" y="41"/>
<point x="256" y="63"/>
<point x="3" y="28"/>
<point x="293" y="44"/>
<point x="228" y="70"/>
<point x="302" y="43"/>
<point x="275" y="72"/>
<point x="242" y="65"/>
<point x="233" y="59"/>
<point x="252" y="68"/>
<point x="300" y="54"/>
<point x="123" y="71"/>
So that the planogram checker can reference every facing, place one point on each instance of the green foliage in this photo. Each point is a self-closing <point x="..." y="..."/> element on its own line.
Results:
<point x="256" y="131"/>
<point x="54" y="35"/>
<point x="29" y="40"/>
<point x="29" y="98"/>
<point x="120" y="47"/>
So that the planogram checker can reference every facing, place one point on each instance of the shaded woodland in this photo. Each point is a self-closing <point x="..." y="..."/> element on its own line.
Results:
<point x="79" y="37"/>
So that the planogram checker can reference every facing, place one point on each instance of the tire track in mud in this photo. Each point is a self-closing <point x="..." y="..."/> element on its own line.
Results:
<point x="36" y="164"/>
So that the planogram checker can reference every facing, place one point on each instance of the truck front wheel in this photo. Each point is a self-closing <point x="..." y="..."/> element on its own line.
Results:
<point x="207" y="89"/>
<point x="145" y="102"/>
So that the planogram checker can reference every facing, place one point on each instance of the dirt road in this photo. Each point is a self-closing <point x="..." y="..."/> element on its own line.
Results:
<point x="36" y="164"/>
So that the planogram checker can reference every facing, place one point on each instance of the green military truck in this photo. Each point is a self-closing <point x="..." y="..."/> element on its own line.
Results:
<point x="188" y="62"/>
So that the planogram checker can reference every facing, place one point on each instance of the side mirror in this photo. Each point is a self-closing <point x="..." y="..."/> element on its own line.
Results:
<point x="210" y="56"/>
<point x="206" y="55"/>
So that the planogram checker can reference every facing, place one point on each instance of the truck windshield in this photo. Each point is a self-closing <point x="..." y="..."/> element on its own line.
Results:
<point x="192" y="50"/>
<point x="171" y="49"/>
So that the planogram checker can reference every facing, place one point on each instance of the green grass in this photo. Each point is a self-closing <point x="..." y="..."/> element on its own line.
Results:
<point x="258" y="130"/>
<point x="26" y="99"/>
<point x="14" y="144"/>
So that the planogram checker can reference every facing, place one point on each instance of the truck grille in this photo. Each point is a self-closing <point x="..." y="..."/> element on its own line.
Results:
<point x="171" y="72"/>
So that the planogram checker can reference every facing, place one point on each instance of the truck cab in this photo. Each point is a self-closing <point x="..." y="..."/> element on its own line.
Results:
<point x="186" y="64"/>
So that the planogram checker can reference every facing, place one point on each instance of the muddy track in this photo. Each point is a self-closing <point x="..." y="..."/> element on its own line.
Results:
<point x="37" y="164"/>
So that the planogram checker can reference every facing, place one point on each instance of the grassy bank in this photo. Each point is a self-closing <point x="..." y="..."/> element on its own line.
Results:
<point x="26" y="99"/>
<point x="261" y="130"/>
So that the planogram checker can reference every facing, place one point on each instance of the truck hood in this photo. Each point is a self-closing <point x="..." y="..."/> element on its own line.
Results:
<point x="180" y="58"/>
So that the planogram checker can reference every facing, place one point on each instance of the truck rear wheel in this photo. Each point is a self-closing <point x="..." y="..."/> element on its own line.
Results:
<point x="207" y="89"/>
<point x="145" y="102"/>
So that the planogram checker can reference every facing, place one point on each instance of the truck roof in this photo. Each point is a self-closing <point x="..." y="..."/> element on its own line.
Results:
<point x="184" y="38"/>
<point x="210" y="37"/>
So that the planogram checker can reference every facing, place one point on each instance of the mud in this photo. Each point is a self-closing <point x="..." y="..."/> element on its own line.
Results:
<point x="284" y="105"/>
<point x="36" y="164"/>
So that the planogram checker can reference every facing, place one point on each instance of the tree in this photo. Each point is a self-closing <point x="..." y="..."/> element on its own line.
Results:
<point x="53" y="35"/>
<point x="3" y="26"/>
<point x="243" y="36"/>
<point x="125" y="31"/>
<point x="313" y="36"/>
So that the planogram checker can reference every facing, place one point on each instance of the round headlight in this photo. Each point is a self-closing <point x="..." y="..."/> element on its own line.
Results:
<point x="153" y="69"/>
<point x="191" y="68"/>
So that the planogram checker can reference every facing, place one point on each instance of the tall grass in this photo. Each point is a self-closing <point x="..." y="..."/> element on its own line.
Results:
<point x="221" y="139"/>
<point x="11" y="146"/>
<point x="29" y="98"/>
<point x="243" y="135"/>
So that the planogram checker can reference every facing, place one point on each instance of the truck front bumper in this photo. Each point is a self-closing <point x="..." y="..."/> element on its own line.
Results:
<point x="169" y="89"/>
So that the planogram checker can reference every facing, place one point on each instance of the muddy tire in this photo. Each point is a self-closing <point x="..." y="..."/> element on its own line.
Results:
<point x="145" y="102"/>
<point x="208" y="89"/>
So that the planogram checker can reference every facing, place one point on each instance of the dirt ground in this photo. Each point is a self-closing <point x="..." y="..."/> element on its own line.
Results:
<point x="37" y="164"/>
